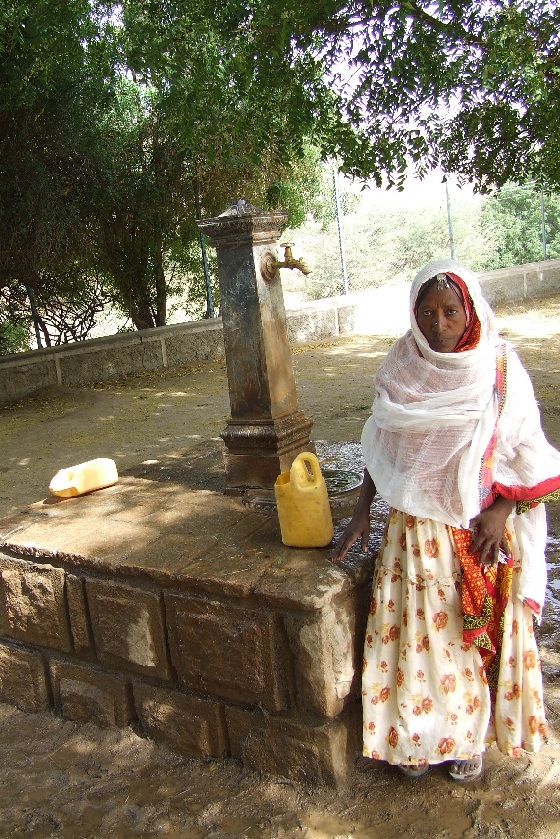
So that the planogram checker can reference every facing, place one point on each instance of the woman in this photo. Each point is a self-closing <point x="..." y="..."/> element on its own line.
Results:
<point x="455" y="447"/>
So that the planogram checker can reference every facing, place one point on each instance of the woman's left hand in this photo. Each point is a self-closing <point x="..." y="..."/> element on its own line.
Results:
<point x="488" y="530"/>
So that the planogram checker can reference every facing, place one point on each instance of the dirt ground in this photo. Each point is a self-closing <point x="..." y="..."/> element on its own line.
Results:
<point x="61" y="780"/>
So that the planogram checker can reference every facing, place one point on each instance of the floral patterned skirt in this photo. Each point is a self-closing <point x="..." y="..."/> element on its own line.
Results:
<point x="424" y="690"/>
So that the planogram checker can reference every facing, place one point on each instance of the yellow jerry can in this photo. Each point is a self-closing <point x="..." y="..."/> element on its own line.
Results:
<point x="303" y="504"/>
<point x="85" y="477"/>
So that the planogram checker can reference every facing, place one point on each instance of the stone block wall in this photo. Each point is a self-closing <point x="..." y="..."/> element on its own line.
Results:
<point x="269" y="678"/>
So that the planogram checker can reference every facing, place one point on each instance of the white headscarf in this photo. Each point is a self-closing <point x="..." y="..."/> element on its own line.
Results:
<point x="433" y="417"/>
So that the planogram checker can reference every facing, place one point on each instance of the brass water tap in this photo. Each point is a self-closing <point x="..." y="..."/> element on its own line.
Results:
<point x="289" y="261"/>
<point x="269" y="265"/>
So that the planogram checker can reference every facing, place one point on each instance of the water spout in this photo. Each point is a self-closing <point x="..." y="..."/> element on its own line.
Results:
<point x="270" y="265"/>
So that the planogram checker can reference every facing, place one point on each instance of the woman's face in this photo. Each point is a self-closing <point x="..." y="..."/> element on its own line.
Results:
<point x="442" y="319"/>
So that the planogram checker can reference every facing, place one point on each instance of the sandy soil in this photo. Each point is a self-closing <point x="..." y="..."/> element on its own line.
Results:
<point x="61" y="780"/>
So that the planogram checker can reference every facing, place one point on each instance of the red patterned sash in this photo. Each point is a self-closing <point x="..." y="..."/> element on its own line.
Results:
<point x="485" y="589"/>
<point x="485" y="592"/>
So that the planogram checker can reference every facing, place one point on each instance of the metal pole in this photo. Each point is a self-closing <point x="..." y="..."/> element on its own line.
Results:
<point x="340" y="234"/>
<point x="543" y="224"/>
<point x="209" y="301"/>
<point x="449" y="223"/>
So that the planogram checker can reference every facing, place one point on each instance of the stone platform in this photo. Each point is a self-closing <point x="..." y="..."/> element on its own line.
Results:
<point x="166" y="604"/>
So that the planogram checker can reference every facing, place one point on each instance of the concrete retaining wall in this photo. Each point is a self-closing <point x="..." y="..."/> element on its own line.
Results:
<point x="106" y="359"/>
<point x="378" y="311"/>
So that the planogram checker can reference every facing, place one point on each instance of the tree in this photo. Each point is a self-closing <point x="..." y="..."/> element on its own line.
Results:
<point x="387" y="238"/>
<point x="14" y="320"/>
<point x="130" y="114"/>
<point x="115" y="115"/>
<point x="465" y="86"/>
<point x="144" y="195"/>
<point x="512" y="220"/>
<point x="55" y="81"/>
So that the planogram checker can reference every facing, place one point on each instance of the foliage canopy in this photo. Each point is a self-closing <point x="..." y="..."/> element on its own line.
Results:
<point x="470" y="87"/>
<point x="117" y="121"/>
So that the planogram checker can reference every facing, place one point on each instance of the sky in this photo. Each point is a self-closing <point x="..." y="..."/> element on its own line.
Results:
<point x="428" y="192"/>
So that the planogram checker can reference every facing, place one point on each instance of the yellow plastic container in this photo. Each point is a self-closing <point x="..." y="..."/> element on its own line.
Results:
<point x="85" y="477"/>
<point x="303" y="504"/>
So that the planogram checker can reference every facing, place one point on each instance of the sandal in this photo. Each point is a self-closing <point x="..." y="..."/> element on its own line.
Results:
<point x="410" y="771"/>
<point x="466" y="770"/>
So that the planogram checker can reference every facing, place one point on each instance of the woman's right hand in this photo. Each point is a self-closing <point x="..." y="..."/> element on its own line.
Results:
<point x="357" y="528"/>
<point x="359" y="525"/>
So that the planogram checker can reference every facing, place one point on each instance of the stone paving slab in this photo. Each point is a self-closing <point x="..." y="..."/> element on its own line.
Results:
<point x="163" y="520"/>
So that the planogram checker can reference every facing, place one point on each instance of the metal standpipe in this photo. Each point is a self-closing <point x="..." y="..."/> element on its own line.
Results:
<point x="266" y="430"/>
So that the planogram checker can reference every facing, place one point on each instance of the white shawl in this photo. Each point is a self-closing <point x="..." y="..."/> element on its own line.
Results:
<point x="433" y="417"/>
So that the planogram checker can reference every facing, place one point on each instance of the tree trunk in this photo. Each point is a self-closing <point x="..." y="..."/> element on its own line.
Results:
<point x="141" y="315"/>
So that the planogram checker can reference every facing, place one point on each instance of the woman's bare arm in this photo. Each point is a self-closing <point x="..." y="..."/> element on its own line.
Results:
<point x="359" y="525"/>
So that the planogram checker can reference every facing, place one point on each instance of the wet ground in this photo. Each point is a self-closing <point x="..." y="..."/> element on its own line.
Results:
<point x="69" y="782"/>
